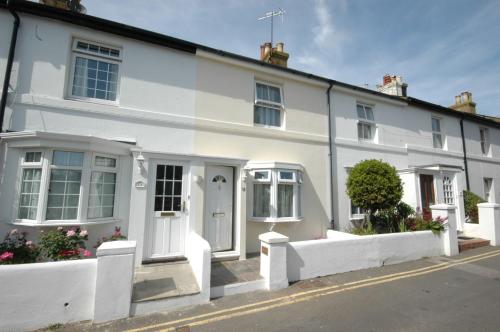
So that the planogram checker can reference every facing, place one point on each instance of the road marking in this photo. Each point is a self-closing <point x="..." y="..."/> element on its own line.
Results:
<point x="309" y="295"/>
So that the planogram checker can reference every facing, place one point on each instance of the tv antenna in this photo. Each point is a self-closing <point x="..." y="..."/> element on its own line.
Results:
<point x="271" y="15"/>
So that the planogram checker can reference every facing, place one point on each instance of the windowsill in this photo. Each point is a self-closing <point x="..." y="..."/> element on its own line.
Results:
<point x="275" y="220"/>
<point x="115" y="103"/>
<point x="70" y="223"/>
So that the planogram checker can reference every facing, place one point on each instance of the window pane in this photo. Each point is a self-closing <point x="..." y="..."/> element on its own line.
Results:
<point x="66" y="158"/>
<point x="286" y="175"/>
<point x="361" y="111"/>
<point x="436" y="125"/>
<point x="105" y="162"/>
<point x="33" y="157"/>
<point x="64" y="191"/>
<point x="261" y="200"/>
<point x="367" y="131"/>
<point x="369" y="113"/>
<point x="95" y="79"/>
<point x="437" y="142"/>
<point x="285" y="200"/>
<point x="262" y="92"/>
<point x="274" y="94"/>
<point x="267" y="116"/>
<point x="102" y="195"/>
<point x="360" y="131"/>
<point x="30" y="187"/>
<point x="261" y="175"/>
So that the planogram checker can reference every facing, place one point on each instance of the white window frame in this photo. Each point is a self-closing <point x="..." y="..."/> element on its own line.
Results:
<point x="440" y="133"/>
<point x="94" y="56"/>
<point x="274" y="180"/>
<point x="366" y="122"/>
<point x="269" y="104"/>
<point x="96" y="168"/>
<point x="29" y="165"/>
<point x="484" y="140"/>
<point x="46" y="165"/>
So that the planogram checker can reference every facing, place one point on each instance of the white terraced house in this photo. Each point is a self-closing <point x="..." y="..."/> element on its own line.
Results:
<point x="106" y="125"/>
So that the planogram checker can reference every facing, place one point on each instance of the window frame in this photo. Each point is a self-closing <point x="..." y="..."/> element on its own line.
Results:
<point x="274" y="181"/>
<point x="447" y="198"/>
<point x="484" y="141"/>
<point x="86" y="170"/>
<point x="355" y="216"/>
<point x="29" y="165"/>
<point x="366" y="122"/>
<point x="93" y="56"/>
<point x="440" y="132"/>
<point x="269" y="104"/>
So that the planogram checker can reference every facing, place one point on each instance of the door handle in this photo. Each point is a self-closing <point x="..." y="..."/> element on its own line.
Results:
<point x="218" y="214"/>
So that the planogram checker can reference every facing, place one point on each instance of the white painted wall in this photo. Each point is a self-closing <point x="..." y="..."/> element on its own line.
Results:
<point x="41" y="294"/>
<point x="315" y="258"/>
<point x="198" y="253"/>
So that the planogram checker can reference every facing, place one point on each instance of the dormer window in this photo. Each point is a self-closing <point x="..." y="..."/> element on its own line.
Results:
<point x="268" y="106"/>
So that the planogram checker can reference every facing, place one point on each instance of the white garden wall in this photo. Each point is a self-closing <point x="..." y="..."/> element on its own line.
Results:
<point x="199" y="255"/>
<point x="40" y="294"/>
<point x="310" y="259"/>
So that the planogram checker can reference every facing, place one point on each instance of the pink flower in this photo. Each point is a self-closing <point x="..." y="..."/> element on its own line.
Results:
<point x="84" y="232"/>
<point x="70" y="233"/>
<point x="6" y="256"/>
<point x="87" y="253"/>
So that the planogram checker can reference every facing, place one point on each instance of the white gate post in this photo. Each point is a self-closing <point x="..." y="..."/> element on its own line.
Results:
<point x="489" y="222"/>
<point x="114" y="282"/>
<point x="449" y="235"/>
<point x="273" y="260"/>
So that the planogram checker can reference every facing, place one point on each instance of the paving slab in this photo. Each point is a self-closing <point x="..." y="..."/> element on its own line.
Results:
<point x="235" y="271"/>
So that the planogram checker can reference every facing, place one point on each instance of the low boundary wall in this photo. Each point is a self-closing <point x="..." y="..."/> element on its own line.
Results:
<point x="315" y="258"/>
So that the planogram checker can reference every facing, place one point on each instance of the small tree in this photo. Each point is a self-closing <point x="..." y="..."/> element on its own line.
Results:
<point x="374" y="185"/>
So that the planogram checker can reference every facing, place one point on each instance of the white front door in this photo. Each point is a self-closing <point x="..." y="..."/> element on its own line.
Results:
<point x="167" y="224"/>
<point x="219" y="207"/>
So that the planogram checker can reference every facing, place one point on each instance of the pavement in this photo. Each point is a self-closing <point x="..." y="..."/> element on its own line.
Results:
<point x="460" y="293"/>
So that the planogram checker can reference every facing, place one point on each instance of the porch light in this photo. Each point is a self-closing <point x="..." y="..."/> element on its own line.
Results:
<point x="140" y="162"/>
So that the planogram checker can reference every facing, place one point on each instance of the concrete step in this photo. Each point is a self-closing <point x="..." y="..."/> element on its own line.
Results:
<point x="160" y="281"/>
<point x="467" y="243"/>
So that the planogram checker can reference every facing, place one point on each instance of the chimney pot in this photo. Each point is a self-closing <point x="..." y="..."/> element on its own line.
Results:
<point x="386" y="79"/>
<point x="280" y="47"/>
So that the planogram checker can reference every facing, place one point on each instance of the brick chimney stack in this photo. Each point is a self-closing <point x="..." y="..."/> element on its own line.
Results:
<point x="73" y="5"/>
<point x="464" y="103"/>
<point x="274" y="55"/>
<point x="393" y="85"/>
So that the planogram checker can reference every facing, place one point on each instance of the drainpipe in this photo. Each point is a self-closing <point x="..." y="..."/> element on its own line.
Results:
<point x="465" y="153"/>
<point x="330" y="154"/>
<point x="10" y="60"/>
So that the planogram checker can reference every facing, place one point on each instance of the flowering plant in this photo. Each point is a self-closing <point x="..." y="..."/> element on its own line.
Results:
<point x="16" y="249"/>
<point x="117" y="236"/>
<point x="61" y="244"/>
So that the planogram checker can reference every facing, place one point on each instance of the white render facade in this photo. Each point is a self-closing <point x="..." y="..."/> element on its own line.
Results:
<point x="162" y="140"/>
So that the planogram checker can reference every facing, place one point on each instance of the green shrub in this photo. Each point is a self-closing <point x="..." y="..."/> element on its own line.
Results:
<point x="471" y="201"/>
<point x="61" y="244"/>
<point x="374" y="185"/>
<point x="363" y="230"/>
<point x="389" y="220"/>
<point x="16" y="249"/>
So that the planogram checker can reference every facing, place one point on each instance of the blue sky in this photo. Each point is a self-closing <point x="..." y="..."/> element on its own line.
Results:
<point x="440" y="47"/>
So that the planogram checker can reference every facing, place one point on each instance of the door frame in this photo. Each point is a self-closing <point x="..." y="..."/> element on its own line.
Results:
<point x="148" y="229"/>
<point x="233" y="203"/>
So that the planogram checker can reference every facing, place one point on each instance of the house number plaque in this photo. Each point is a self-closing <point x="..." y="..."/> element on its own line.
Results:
<point x="264" y="250"/>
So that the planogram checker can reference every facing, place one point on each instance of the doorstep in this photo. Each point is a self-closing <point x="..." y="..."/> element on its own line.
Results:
<point x="467" y="243"/>
<point x="159" y="281"/>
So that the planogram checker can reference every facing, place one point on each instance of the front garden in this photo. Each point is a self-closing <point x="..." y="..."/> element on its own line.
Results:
<point x="53" y="245"/>
<point x="375" y="187"/>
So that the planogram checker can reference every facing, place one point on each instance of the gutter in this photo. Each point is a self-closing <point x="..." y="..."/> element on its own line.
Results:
<point x="330" y="152"/>
<point x="8" y="69"/>
<point x="465" y="153"/>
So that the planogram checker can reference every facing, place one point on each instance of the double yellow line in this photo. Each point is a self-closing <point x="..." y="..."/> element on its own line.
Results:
<point x="256" y="307"/>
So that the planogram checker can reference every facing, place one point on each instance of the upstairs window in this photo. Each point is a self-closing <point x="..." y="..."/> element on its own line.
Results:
<point x="437" y="136"/>
<point x="366" y="122"/>
<point x="95" y="71"/>
<point x="268" y="105"/>
<point x="485" y="140"/>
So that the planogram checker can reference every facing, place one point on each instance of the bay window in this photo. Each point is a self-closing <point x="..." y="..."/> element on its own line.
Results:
<point x="276" y="195"/>
<point x="66" y="187"/>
